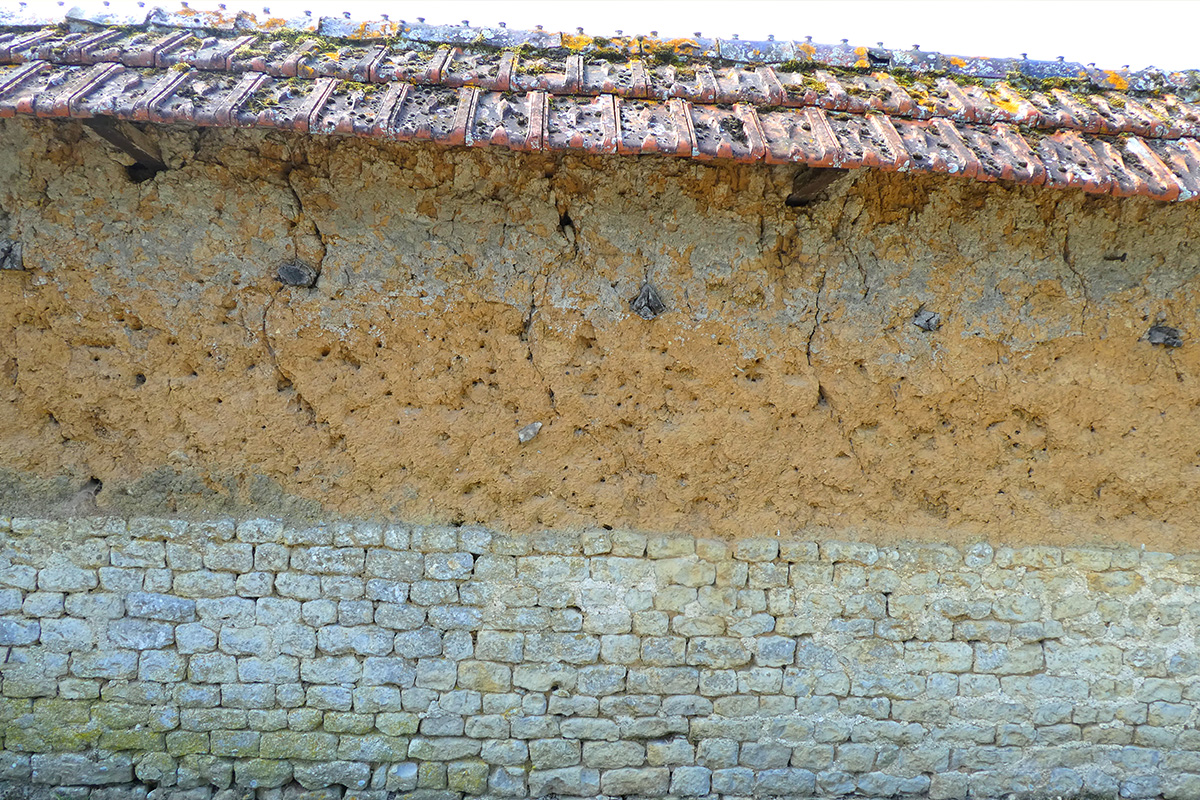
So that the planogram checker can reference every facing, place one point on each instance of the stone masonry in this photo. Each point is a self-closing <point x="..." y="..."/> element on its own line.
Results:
<point x="185" y="658"/>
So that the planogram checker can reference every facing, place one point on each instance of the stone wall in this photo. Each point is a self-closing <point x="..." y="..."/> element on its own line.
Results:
<point x="436" y="662"/>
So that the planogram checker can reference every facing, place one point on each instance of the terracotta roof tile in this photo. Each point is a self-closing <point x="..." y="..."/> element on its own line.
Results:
<point x="1056" y="124"/>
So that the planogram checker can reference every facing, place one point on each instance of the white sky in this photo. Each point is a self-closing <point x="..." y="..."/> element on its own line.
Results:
<point x="1111" y="33"/>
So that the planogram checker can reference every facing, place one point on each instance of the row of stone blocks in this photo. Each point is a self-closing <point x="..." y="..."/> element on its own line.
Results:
<point x="115" y="778"/>
<point x="386" y="658"/>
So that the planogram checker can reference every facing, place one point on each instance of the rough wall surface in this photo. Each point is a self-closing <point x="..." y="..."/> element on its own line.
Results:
<point x="465" y="294"/>
<point x="443" y="662"/>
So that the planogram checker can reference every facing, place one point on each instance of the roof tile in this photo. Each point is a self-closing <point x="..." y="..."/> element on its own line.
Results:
<point x="749" y="101"/>
<point x="1070" y="161"/>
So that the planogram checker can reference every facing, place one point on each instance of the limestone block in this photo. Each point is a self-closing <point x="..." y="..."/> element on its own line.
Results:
<point x="447" y="748"/>
<point x="67" y="579"/>
<point x="505" y="752"/>
<point x="572" y="781"/>
<point x="450" y="617"/>
<point x="271" y="557"/>
<point x="331" y="670"/>
<point x="361" y="640"/>
<point x="64" y="635"/>
<point x="717" y="652"/>
<point x="310" y="746"/>
<point x="259" y="531"/>
<point x="789" y="782"/>
<point x="1002" y="659"/>
<point x="689" y="571"/>
<point x="507" y="782"/>
<point x="71" y="769"/>
<point x="162" y="667"/>
<point x="231" y="557"/>
<point x="254" y="584"/>
<point x="644" y="781"/>
<point x="484" y="676"/>
<point x="262" y="773"/>
<point x="160" y="607"/>
<point x="329" y="698"/>
<point x="375" y="749"/>
<point x="449" y="566"/>
<point x="203" y="584"/>
<point x="108" y="664"/>
<point x="324" y="773"/>
<point x="543" y="571"/>
<point x="468" y="777"/>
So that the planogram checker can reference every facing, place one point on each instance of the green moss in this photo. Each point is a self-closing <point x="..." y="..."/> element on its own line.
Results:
<point x="609" y="54"/>
<point x="664" y="54"/>
<point x="535" y="66"/>
<point x="818" y="86"/>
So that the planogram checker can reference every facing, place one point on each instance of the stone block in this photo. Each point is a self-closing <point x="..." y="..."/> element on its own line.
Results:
<point x="554" y="753"/>
<point x="775" y="651"/>
<point x="717" y="652"/>
<point x="262" y="773"/>
<point x="307" y="746"/>
<point x="570" y="781"/>
<point x="321" y="560"/>
<point x="373" y="748"/>
<point x="688" y="572"/>
<point x="484" y="676"/>
<point x="507" y="782"/>
<point x="643" y="781"/>
<point x="1000" y="659"/>
<point x="37" y="604"/>
<point x="462" y="618"/>
<point x="366" y="640"/>
<point x="449" y="566"/>
<point x="63" y="635"/>
<point x="212" y="668"/>
<point x="468" y="777"/>
<point x="72" y="769"/>
<point x="938" y="657"/>
<point x="447" y="748"/>
<point x="161" y="667"/>
<point x="231" y="557"/>
<point x="167" y="608"/>
<point x="140" y="634"/>
<point x="612" y="754"/>
<point x="1070" y="659"/>
<point x="325" y="773"/>
<point x="789" y="782"/>
<point x="108" y="664"/>
<point x="541" y="571"/>
<point x="67" y="578"/>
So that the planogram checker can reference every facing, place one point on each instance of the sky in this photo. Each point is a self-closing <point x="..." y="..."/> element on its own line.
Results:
<point x="1111" y="33"/>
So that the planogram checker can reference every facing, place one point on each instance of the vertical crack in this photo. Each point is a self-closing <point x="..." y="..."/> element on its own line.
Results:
<point x="1069" y="261"/>
<point x="816" y="319"/>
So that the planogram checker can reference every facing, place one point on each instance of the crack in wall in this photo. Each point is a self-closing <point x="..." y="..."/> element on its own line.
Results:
<point x="1069" y="261"/>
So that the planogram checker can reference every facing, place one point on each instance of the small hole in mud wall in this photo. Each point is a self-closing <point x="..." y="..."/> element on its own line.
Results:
<point x="140" y="173"/>
<point x="93" y="486"/>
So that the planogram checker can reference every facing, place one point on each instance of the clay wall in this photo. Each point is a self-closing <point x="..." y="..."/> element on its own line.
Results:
<point x="467" y="293"/>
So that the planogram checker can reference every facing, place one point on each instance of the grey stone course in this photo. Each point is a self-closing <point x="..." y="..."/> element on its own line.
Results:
<point x="354" y="660"/>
